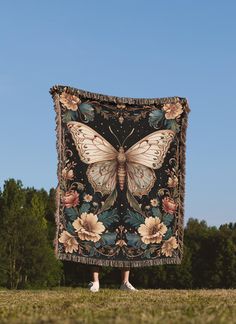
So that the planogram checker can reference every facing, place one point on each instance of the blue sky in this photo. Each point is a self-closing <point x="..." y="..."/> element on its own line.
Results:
<point x="127" y="48"/>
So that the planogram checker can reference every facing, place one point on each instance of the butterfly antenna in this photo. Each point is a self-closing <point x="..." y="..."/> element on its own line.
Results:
<point x="128" y="136"/>
<point x="114" y="135"/>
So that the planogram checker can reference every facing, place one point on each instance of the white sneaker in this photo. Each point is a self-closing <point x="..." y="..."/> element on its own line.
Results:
<point x="93" y="286"/>
<point x="127" y="286"/>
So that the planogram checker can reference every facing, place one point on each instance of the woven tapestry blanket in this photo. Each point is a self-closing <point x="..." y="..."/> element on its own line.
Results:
<point x="121" y="178"/>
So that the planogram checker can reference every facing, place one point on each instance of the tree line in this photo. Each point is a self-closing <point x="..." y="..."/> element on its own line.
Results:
<point x="27" y="260"/>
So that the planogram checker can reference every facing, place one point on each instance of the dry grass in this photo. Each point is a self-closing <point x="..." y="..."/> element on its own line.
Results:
<point x="78" y="305"/>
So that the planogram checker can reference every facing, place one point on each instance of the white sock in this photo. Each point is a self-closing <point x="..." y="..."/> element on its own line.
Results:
<point x="96" y="284"/>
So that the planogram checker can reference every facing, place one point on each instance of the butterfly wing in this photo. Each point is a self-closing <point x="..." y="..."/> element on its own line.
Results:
<point x="140" y="179"/>
<point x="151" y="150"/>
<point x="101" y="156"/>
<point x="91" y="146"/>
<point x="102" y="176"/>
<point x="144" y="156"/>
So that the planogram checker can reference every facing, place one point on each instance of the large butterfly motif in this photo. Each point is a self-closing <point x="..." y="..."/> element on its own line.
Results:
<point x="109" y="167"/>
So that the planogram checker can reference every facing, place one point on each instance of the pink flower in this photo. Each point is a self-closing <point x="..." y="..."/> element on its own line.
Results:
<point x="169" y="205"/>
<point x="71" y="199"/>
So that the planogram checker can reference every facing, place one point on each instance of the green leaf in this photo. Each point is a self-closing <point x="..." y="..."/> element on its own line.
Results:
<point x="134" y="239"/>
<point x="167" y="219"/>
<point x="108" y="217"/>
<point x="143" y="246"/>
<point x="155" y="117"/>
<point x="172" y="124"/>
<point x="108" y="238"/>
<point x="91" y="252"/>
<point x="156" y="212"/>
<point x="168" y="234"/>
<point x="70" y="228"/>
<point x="72" y="213"/>
<point x="146" y="254"/>
<point x="133" y="202"/>
<point x="70" y="115"/>
<point x="87" y="110"/>
<point x="97" y="244"/>
<point x="84" y="208"/>
<point x="109" y="202"/>
<point x="133" y="219"/>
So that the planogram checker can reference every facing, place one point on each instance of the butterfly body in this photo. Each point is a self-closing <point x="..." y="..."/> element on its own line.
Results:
<point x="121" y="171"/>
<point x="109" y="167"/>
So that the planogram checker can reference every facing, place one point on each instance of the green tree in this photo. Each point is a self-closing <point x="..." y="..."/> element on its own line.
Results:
<point x="50" y="214"/>
<point x="213" y="254"/>
<point x="26" y="256"/>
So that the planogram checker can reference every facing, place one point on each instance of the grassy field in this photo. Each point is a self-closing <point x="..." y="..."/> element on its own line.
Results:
<point x="78" y="305"/>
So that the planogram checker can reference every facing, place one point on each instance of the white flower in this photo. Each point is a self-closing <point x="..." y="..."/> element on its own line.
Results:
<point x="88" y="198"/>
<point x="88" y="227"/>
<point x="152" y="231"/>
<point x="168" y="246"/>
<point x="69" y="242"/>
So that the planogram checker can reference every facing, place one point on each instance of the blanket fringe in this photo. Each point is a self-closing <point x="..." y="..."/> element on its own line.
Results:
<point x="58" y="89"/>
<point x="58" y="147"/>
<point x="118" y="263"/>
<point x="182" y="164"/>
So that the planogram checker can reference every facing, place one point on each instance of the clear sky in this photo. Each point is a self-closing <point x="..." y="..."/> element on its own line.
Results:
<point x="133" y="48"/>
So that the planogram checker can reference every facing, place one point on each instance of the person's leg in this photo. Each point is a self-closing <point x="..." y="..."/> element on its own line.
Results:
<point x="94" y="284"/>
<point x="125" y="284"/>
<point x="95" y="273"/>
<point x="125" y="275"/>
